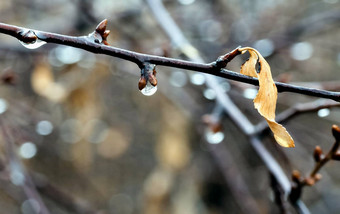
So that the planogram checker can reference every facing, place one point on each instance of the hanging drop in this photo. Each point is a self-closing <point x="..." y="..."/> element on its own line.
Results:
<point x="34" y="45"/>
<point x="149" y="89"/>
<point x="148" y="83"/>
<point x="30" y="40"/>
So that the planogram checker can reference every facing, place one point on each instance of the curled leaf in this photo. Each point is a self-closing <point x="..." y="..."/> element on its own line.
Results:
<point x="265" y="100"/>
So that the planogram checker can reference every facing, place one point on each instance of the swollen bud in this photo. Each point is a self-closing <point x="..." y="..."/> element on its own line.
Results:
<point x="296" y="176"/>
<point x="318" y="154"/>
<point x="27" y="36"/>
<point x="148" y="83"/>
<point x="101" y="27"/>
<point x="336" y="132"/>
<point x="141" y="83"/>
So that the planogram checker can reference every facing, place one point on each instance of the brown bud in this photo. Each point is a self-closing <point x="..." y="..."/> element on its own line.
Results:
<point x="152" y="80"/>
<point x="336" y="132"/>
<point x="105" y="34"/>
<point x="318" y="154"/>
<point x="141" y="83"/>
<point x="310" y="181"/>
<point x="216" y="127"/>
<point x="101" y="27"/>
<point x="296" y="176"/>
<point x="152" y="77"/>
<point x="336" y="156"/>
<point x="317" y="177"/>
<point x="27" y="36"/>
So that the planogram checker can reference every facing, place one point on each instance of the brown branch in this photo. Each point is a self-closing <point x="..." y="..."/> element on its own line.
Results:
<point x="297" y="110"/>
<point x="90" y="44"/>
<point x="320" y="161"/>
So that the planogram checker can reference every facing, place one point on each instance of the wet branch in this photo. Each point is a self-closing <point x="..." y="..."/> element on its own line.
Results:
<point x="96" y="43"/>
<point x="297" y="110"/>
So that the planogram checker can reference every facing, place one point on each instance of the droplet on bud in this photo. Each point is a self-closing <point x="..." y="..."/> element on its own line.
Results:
<point x="149" y="89"/>
<point x="148" y="83"/>
<point x="30" y="40"/>
<point x="214" y="137"/>
<point x="34" y="45"/>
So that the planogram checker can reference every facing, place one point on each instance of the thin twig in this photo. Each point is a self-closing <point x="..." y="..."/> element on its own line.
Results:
<point x="297" y="110"/>
<point x="85" y="43"/>
<point x="320" y="161"/>
<point x="27" y="184"/>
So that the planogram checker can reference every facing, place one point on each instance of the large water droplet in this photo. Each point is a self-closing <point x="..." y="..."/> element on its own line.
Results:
<point x="214" y="137"/>
<point x="149" y="89"/>
<point x="33" y="45"/>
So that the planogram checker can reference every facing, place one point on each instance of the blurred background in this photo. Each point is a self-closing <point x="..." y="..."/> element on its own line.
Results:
<point x="79" y="137"/>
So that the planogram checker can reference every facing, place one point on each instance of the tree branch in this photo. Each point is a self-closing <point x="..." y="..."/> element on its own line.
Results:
<point x="89" y="43"/>
<point x="320" y="161"/>
<point x="295" y="111"/>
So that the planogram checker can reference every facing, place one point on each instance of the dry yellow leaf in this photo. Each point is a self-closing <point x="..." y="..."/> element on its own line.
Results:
<point x="265" y="100"/>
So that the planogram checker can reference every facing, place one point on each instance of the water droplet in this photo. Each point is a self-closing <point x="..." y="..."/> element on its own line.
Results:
<point x="28" y="150"/>
<point x="323" y="112"/>
<point x="149" y="89"/>
<point x="214" y="137"/>
<point x="44" y="127"/>
<point x="301" y="51"/>
<point x="250" y="93"/>
<point x="209" y="93"/>
<point x="33" y="45"/>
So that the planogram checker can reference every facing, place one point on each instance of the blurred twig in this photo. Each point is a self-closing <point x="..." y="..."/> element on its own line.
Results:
<point x="18" y="169"/>
<point x="320" y="161"/>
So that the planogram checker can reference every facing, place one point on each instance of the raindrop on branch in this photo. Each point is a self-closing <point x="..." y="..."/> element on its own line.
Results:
<point x="33" y="45"/>
<point x="30" y="40"/>
<point x="148" y="83"/>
